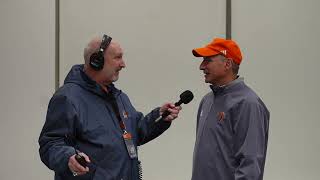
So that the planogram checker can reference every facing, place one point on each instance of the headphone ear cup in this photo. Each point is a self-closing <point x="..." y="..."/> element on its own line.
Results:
<point x="97" y="61"/>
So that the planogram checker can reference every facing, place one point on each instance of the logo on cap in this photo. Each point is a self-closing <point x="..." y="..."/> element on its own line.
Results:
<point x="224" y="52"/>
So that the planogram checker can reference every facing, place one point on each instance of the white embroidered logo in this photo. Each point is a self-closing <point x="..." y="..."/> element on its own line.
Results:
<point x="224" y="52"/>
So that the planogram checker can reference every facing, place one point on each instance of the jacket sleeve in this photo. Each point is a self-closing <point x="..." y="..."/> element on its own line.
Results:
<point x="199" y="113"/>
<point x="148" y="129"/>
<point x="251" y="136"/>
<point x="54" y="150"/>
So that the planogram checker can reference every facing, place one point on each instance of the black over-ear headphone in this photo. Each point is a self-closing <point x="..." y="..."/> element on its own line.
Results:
<point x="97" y="58"/>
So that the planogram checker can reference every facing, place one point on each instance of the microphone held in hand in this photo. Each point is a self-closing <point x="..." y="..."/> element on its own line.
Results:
<point x="185" y="98"/>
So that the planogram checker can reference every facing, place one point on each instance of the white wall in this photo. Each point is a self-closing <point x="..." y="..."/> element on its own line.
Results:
<point x="157" y="38"/>
<point x="27" y="82"/>
<point x="280" y="41"/>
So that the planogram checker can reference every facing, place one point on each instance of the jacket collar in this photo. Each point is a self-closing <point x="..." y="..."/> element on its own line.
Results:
<point x="223" y="88"/>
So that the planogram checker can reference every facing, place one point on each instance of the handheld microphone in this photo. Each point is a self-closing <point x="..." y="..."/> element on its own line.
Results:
<point x="185" y="98"/>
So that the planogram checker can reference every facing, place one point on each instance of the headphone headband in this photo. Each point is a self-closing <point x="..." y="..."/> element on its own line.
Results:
<point x="97" y="58"/>
<point x="106" y="40"/>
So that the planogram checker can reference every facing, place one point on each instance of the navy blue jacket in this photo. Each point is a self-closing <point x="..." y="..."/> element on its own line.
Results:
<point x="232" y="134"/>
<point x="81" y="111"/>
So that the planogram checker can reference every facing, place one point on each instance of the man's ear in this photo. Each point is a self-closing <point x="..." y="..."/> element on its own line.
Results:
<point x="228" y="64"/>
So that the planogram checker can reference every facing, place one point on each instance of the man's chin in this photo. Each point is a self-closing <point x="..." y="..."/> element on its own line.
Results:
<point x="115" y="79"/>
<point x="208" y="81"/>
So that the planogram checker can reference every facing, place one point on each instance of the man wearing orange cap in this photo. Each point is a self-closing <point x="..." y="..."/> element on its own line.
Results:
<point x="232" y="121"/>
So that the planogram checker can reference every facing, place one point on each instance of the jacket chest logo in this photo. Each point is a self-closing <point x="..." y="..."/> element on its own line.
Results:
<point x="125" y="114"/>
<point x="221" y="116"/>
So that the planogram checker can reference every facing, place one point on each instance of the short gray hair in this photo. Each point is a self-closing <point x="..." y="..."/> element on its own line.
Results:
<point x="92" y="46"/>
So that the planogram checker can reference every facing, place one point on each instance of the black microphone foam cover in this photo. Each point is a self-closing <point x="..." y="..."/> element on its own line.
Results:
<point x="186" y="97"/>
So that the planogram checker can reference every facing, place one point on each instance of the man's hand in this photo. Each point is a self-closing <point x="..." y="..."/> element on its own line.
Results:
<point x="174" y="111"/>
<point x="75" y="167"/>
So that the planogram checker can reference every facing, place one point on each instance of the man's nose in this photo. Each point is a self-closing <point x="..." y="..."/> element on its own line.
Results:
<point x="123" y="64"/>
<point x="202" y="65"/>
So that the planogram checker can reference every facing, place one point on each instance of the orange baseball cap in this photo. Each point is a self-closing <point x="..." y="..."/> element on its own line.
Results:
<point x="227" y="48"/>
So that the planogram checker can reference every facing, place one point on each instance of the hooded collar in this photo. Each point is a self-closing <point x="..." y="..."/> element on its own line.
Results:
<point x="77" y="76"/>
